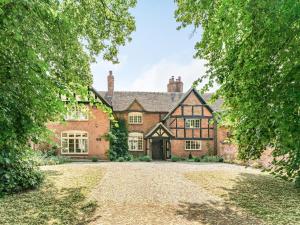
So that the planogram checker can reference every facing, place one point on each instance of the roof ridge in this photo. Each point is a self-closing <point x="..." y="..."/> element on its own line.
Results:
<point x="157" y="92"/>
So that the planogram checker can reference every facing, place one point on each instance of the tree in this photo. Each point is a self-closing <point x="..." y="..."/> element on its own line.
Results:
<point x="252" y="49"/>
<point x="118" y="141"/>
<point x="46" y="47"/>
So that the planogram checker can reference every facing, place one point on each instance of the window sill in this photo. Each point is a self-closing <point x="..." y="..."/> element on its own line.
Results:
<point x="136" y="150"/>
<point x="193" y="149"/>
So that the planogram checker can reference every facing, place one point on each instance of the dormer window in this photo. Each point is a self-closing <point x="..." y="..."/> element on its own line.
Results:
<point x="78" y="114"/>
<point x="135" y="118"/>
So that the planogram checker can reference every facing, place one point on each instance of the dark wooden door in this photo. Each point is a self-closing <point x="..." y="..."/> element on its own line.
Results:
<point x="157" y="149"/>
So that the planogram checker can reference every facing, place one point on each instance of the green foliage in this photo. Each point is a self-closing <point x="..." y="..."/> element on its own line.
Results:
<point x="118" y="138"/>
<point x="94" y="159"/>
<point x="197" y="159"/>
<point x="18" y="171"/>
<point x="42" y="158"/>
<point x="121" y="159"/>
<point x="252" y="50"/>
<point x="129" y="157"/>
<point x="46" y="48"/>
<point x="145" y="158"/>
<point x="211" y="158"/>
<point x="175" y="158"/>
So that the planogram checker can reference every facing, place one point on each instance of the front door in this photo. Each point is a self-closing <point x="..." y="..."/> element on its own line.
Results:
<point x="157" y="149"/>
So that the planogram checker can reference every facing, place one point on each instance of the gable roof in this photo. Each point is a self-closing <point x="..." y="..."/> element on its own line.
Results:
<point x="137" y="102"/>
<point x="156" y="127"/>
<point x="184" y="98"/>
<point x="152" y="101"/>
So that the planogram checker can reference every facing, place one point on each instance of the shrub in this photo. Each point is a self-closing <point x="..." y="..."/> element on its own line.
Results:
<point x="42" y="159"/>
<point x="175" y="158"/>
<point x="145" y="158"/>
<point x="190" y="156"/>
<point x="121" y="159"/>
<point x="213" y="158"/>
<point x="196" y="159"/>
<point x="128" y="157"/>
<point x="94" y="159"/>
<point x="18" y="171"/>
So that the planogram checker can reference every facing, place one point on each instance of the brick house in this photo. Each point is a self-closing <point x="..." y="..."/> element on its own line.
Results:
<point x="160" y="124"/>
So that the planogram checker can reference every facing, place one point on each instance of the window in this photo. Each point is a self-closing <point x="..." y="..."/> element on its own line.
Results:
<point x="135" y="118"/>
<point x="193" y="145"/>
<point x="78" y="113"/>
<point x="74" y="142"/>
<point x="135" y="142"/>
<point x="192" y="123"/>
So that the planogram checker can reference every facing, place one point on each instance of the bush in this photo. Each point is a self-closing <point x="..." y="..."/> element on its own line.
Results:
<point x="128" y="157"/>
<point x="121" y="159"/>
<point x="214" y="158"/>
<point x="94" y="159"/>
<point x="42" y="159"/>
<point x="145" y="158"/>
<point x="18" y="171"/>
<point x="175" y="158"/>
<point x="197" y="159"/>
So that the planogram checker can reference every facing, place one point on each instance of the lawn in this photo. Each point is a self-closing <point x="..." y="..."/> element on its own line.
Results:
<point x="269" y="199"/>
<point x="62" y="199"/>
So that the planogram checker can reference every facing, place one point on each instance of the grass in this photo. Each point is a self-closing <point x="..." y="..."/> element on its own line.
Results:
<point x="62" y="199"/>
<point x="269" y="199"/>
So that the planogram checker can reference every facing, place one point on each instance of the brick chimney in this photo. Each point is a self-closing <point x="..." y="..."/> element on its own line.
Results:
<point x="179" y="84"/>
<point x="175" y="85"/>
<point x="110" y="84"/>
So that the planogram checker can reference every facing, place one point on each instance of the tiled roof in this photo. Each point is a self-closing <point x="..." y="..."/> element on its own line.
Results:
<point x="152" y="101"/>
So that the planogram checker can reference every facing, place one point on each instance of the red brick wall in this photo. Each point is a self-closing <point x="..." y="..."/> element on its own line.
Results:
<point x="150" y="119"/>
<point x="97" y="125"/>
<point x="225" y="149"/>
<point x="178" y="148"/>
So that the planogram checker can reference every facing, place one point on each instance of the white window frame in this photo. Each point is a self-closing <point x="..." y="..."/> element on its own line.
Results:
<point x="135" y="118"/>
<point x="78" y="114"/>
<point x="191" y="145"/>
<point x="133" y="141"/>
<point x="192" y="123"/>
<point x="74" y="135"/>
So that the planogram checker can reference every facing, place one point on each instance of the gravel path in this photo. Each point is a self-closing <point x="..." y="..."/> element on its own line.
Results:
<point x="157" y="193"/>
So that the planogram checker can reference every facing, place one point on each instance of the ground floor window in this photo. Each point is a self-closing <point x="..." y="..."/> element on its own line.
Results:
<point x="74" y="142"/>
<point x="135" y="141"/>
<point x="193" y="145"/>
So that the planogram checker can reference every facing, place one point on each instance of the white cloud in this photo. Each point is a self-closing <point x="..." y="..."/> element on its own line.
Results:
<point x="157" y="76"/>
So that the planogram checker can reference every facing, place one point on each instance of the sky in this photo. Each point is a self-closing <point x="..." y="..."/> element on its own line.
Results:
<point x="157" y="52"/>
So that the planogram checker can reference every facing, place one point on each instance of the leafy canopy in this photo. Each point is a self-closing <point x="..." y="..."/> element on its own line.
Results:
<point x="46" y="47"/>
<point x="252" y="49"/>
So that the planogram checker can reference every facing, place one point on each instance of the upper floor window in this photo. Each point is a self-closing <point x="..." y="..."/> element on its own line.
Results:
<point x="78" y="113"/>
<point x="192" y="123"/>
<point x="135" y="118"/>
<point x="135" y="141"/>
<point x="74" y="142"/>
<point x="193" y="145"/>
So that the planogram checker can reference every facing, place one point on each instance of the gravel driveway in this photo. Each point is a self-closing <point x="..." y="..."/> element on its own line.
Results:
<point x="158" y="193"/>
